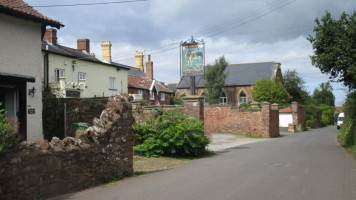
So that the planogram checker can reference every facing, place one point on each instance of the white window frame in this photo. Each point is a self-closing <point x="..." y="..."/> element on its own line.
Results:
<point x="81" y="76"/>
<point x="139" y="91"/>
<point x="152" y="95"/>
<point x="112" y="83"/>
<point x="242" y="100"/>
<point x="58" y="73"/>
<point x="163" y="96"/>
<point x="223" y="100"/>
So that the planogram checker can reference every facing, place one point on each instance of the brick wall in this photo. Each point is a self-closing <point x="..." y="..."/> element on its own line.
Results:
<point x="299" y="115"/>
<point x="43" y="169"/>
<point x="262" y="121"/>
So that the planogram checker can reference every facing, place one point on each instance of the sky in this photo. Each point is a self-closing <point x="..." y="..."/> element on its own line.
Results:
<point x="242" y="31"/>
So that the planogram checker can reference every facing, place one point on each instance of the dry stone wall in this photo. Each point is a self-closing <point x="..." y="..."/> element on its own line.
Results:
<point x="43" y="169"/>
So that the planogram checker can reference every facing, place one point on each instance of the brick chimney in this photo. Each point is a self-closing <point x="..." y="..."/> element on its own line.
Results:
<point x="106" y="51"/>
<point x="83" y="44"/>
<point x="139" y="60"/>
<point x="51" y="36"/>
<point x="149" y="68"/>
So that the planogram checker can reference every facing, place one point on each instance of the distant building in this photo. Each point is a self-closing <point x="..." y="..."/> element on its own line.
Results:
<point x="238" y="83"/>
<point x="77" y="73"/>
<point x="22" y="28"/>
<point x="143" y="84"/>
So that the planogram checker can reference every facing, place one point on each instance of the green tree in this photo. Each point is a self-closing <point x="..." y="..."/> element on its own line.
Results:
<point x="324" y="95"/>
<point x="295" y="86"/>
<point x="269" y="90"/>
<point x="215" y="80"/>
<point x="334" y="45"/>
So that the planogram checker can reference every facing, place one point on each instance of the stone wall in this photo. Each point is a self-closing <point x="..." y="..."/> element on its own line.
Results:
<point x="261" y="121"/>
<point x="43" y="169"/>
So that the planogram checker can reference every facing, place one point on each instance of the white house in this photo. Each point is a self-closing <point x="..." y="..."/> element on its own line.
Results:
<point x="77" y="73"/>
<point x="21" y="30"/>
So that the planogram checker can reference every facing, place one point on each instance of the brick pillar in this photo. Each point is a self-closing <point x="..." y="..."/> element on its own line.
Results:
<point x="265" y="117"/>
<point x="295" y="113"/>
<point x="194" y="107"/>
<point x="274" y="120"/>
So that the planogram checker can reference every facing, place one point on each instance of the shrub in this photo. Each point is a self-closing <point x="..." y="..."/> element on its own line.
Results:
<point x="8" y="132"/>
<point x="171" y="134"/>
<point x="347" y="132"/>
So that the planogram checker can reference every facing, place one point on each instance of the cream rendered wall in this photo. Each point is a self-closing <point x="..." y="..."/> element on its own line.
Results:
<point x="20" y="53"/>
<point x="97" y="75"/>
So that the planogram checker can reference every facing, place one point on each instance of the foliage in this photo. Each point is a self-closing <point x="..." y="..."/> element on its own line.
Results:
<point x="327" y="114"/>
<point x="51" y="117"/>
<point x="324" y="95"/>
<point x="319" y="115"/>
<point x="334" y="45"/>
<point x="171" y="134"/>
<point x="295" y="86"/>
<point x="8" y="132"/>
<point x="215" y="80"/>
<point x="269" y="90"/>
<point x="347" y="133"/>
<point x="177" y="101"/>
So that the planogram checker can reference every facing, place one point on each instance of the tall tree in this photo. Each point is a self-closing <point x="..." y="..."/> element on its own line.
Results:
<point x="215" y="80"/>
<point x="324" y="95"/>
<point x="295" y="86"/>
<point x="334" y="45"/>
<point x="269" y="90"/>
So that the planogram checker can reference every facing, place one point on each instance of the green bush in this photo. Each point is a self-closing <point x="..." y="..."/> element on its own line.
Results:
<point x="8" y="132"/>
<point x="171" y="134"/>
<point x="347" y="132"/>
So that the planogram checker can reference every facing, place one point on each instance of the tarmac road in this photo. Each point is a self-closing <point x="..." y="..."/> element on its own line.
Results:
<point x="305" y="166"/>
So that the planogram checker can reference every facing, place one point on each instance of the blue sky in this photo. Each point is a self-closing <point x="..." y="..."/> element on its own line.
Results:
<point x="242" y="31"/>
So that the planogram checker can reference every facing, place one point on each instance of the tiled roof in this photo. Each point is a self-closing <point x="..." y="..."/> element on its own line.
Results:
<point x="238" y="75"/>
<point x="75" y="53"/>
<point x="21" y="9"/>
<point x="285" y="110"/>
<point x="136" y="72"/>
<point x="145" y="83"/>
<point x="172" y="86"/>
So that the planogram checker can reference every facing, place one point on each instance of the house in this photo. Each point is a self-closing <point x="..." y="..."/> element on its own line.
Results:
<point x="22" y="28"/>
<point x="238" y="83"/>
<point x="78" y="73"/>
<point x="144" y="85"/>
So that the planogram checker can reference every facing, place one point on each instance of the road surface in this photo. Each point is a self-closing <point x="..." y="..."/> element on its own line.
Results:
<point x="304" y="166"/>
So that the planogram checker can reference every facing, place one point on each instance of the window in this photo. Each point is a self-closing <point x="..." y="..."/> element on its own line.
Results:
<point x="111" y="83"/>
<point x="223" y="99"/>
<point x="58" y="73"/>
<point x="81" y="76"/>
<point x="139" y="91"/>
<point x="152" y="95"/>
<point x="242" y="98"/>
<point x="163" y="96"/>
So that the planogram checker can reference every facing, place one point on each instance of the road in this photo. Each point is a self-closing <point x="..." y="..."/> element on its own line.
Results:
<point x="302" y="166"/>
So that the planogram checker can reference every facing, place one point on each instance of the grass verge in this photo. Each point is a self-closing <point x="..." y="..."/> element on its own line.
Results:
<point x="244" y="135"/>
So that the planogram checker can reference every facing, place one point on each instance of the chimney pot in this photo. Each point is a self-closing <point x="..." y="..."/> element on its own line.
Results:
<point x="83" y="44"/>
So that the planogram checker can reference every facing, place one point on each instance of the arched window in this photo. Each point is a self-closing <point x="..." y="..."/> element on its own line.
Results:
<point x="223" y="99"/>
<point x="242" y="98"/>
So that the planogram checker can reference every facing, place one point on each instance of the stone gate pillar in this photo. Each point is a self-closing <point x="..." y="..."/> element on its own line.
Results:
<point x="194" y="107"/>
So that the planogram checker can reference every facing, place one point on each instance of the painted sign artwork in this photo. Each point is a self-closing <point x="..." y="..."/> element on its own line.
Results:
<point x="192" y="59"/>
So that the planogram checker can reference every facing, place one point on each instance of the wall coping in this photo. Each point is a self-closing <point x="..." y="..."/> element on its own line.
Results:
<point x="193" y="98"/>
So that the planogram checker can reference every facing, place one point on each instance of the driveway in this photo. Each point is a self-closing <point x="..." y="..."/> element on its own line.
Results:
<point x="307" y="165"/>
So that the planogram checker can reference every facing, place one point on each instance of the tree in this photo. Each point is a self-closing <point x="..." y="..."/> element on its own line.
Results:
<point x="334" y="45"/>
<point x="324" y="95"/>
<point x="215" y="80"/>
<point x="269" y="90"/>
<point x="295" y="86"/>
